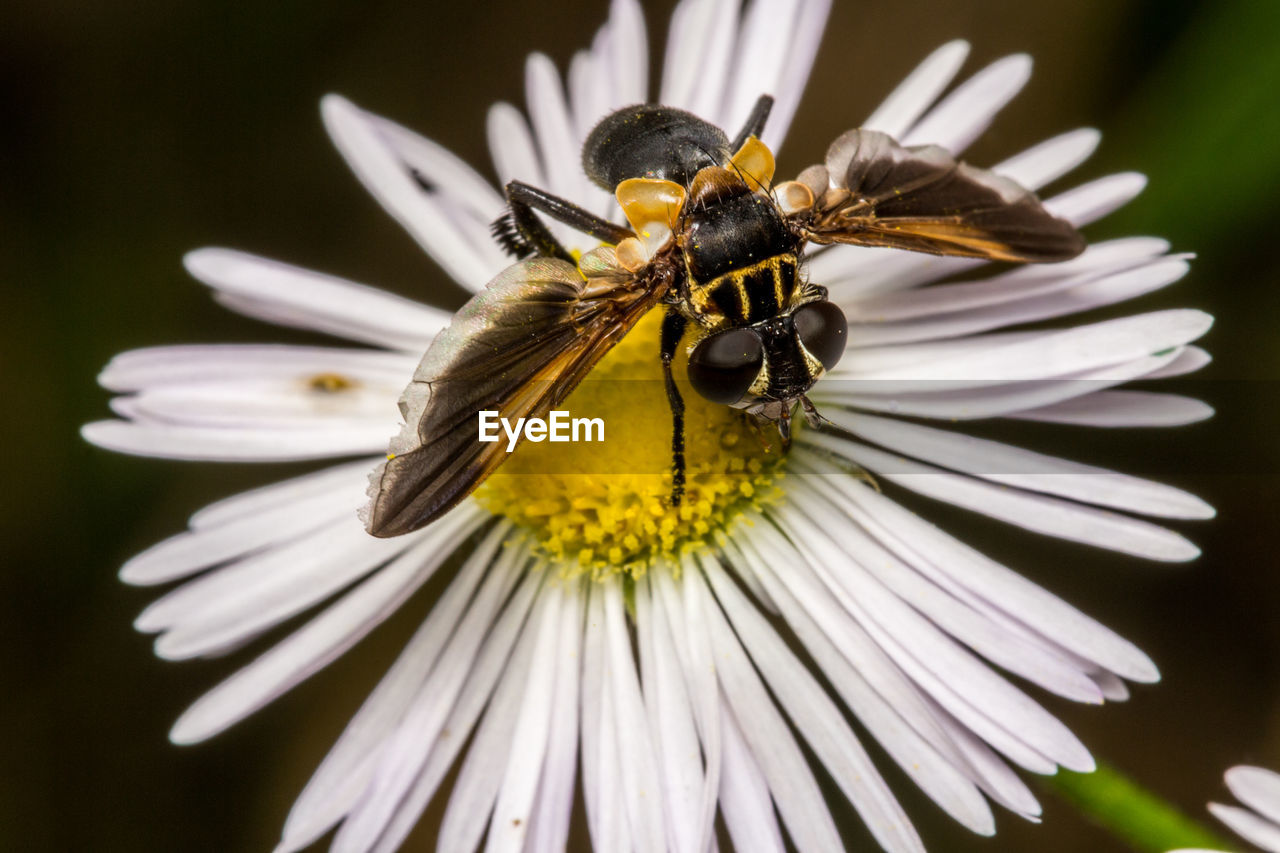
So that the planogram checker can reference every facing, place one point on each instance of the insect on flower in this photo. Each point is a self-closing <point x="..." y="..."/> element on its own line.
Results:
<point x="720" y="247"/>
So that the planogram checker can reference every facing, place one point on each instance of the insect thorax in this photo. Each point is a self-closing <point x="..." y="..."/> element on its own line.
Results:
<point x="740" y="256"/>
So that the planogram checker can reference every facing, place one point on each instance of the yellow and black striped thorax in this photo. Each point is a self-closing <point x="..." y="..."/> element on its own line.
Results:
<point x="747" y="294"/>
<point x="740" y="254"/>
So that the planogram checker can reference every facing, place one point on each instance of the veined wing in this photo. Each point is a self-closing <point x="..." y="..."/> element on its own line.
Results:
<point x="519" y="347"/>
<point x="874" y="192"/>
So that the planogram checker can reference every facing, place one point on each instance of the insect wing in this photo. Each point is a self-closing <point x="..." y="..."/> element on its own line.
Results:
<point x="874" y="192"/>
<point x="519" y="347"/>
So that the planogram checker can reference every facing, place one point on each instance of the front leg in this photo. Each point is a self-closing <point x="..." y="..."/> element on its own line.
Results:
<point x="672" y="330"/>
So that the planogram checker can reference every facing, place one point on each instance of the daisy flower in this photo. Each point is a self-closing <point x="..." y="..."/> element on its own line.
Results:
<point x="1259" y="823"/>
<point x="679" y="658"/>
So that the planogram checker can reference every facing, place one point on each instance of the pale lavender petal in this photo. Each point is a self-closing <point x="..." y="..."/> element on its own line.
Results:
<point x="639" y="781"/>
<point x="1051" y="159"/>
<point x="1090" y="202"/>
<point x="905" y="104"/>
<point x="347" y="770"/>
<point x="937" y="772"/>
<point x="549" y="828"/>
<point x="963" y="115"/>
<point x="325" y="500"/>
<point x="1258" y="788"/>
<point x="509" y="826"/>
<point x="310" y="300"/>
<point x="1013" y="466"/>
<point x="405" y="751"/>
<point x="1249" y="826"/>
<point x="1042" y="514"/>
<point x="1007" y="589"/>
<point x="671" y="724"/>
<point x="790" y="779"/>
<point x="744" y="794"/>
<point x="471" y="702"/>
<point x="386" y="177"/>
<point x="1122" y="409"/>
<point x="700" y="44"/>
<point x="320" y="641"/>
<point x="801" y="52"/>
<point x="158" y="367"/>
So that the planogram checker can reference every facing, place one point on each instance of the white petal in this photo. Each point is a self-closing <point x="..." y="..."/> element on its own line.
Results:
<point x="348" y="769"/>
<point x="953" y="616"/>
<point x="1039" y="513"/>
<point x="791" y="782"/>
<point x="671" y="724"/>
<point x="1249" y="826"/>
<point x="232" y="589"/>
<point x="1020" y="283"/>
<point x="1024" y="469"/>
<point x="964" y="114"/>
<point x="549" y="829"/>
<point x="700" y="45"/>
<point x="220" y="444"/>
<point x="601" y="765"/>
<point x="930" y="657"/>
<point x="509" y="825"/>
<point x="1064" y="352"/>
<point x="213" y="363"/>
<point x="511" y="144"/>
<point x="1258" y="788"/>
<point x="321" y="641"/>
<point x="448" y="174"/>
<point x="404" y="753"/>
<point x="230" y="616"/>
<point x="682" y="612"/>
<point x="268" y="404"/>
<point x="484" y="673"/>
<point x="801" y="52"/>
<point x="997" y="779"/>
<point x="1071" y="298"/>
<point x="278" y="496"/>
<point x="557" y="142"/>
<point x="1090" y="202"/>
<point x="971" y="401"/>
<point x="744" y="794"/>
<point x="384" y="173"/>
<point x="639" y="779"/>
<point x="935" y="772"/>
<point x="759" y="60"/>
<point x="1189" y="360"/>
<point x="312" y="300"/>
<point x="187" y="553"/>
<point x="1009" y="590"/>
<point x="1051" y="159"/>
<point x="629" y="52"/>
<point x="1122" y="409"/>
<point x="905" y="104"/>
<point x="478" y="784"/>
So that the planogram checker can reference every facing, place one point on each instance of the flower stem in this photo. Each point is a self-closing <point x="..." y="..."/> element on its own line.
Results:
<point x="1131" y="813"/>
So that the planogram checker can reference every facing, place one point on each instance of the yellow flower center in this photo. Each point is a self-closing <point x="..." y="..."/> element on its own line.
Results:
<point x="603" y="507"/>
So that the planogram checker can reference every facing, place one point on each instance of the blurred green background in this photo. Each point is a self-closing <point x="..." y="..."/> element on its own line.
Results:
<point x="135" y="130"/>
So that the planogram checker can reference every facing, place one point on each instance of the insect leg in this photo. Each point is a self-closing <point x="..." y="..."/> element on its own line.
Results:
<point x="672" y="330"/>
<point x="755" y="122"/>
<point x="522" y="233"/>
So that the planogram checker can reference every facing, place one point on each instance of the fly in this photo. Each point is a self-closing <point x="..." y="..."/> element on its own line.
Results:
<point x="715" y="242"/>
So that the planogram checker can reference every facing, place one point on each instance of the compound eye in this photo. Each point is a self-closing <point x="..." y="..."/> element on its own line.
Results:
<point x="724" y="365"/>
<point x="823" y="331"/>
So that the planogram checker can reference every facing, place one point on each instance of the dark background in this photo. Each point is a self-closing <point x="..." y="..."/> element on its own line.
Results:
<point x="134" y="130"/>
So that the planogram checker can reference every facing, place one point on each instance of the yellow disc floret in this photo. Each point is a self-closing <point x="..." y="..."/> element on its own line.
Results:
<point x="603" y="507"/>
